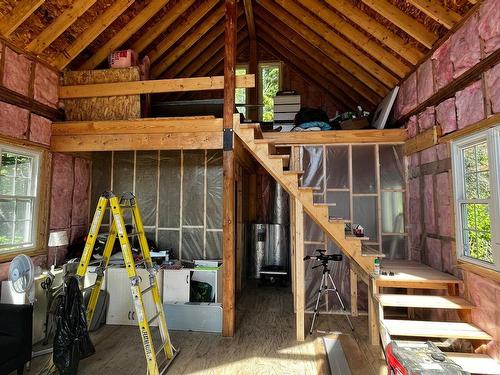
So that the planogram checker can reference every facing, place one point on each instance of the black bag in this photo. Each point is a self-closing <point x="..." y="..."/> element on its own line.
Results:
<point x="71" y="341"/>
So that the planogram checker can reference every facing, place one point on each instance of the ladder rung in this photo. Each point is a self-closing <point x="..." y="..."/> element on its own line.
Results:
<point x="149" y="288"/>
<point x="154" y="318"/>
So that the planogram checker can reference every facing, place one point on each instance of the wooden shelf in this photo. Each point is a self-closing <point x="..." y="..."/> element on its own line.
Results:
<point x="428" y="302"/>
<point x="476" y="363"/>
<point x="418" y="328"/>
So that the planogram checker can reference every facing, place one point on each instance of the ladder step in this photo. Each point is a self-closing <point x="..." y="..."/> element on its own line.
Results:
<point x="475" y="363"/>
<point x="421" y="301"/>
<point x="154" y="318"/>
<point x="418" y="328"/>
<point x="148" y="289"/>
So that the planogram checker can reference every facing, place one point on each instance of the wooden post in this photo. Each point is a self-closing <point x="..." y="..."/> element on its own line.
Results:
<point x="293" y="253"/>
<point x="373" y="321"/>
<point x="354" y="293"/>
<point x="299" y="269"/>
<point x="253" y="112"/>
<point x="228" y="205"/>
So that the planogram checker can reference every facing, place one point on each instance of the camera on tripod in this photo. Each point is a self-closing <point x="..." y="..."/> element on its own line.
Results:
<point x="324" y="258"/>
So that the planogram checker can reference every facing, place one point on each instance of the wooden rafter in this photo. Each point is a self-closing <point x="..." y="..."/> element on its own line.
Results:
<point x="177" y="33"/>
<point x="124" y="34"/>
<point x="93" y="31"/>
<point x="199" y="31"/>
<point x="161" y="25"/>
<point x="61" y="23"/>
<point x="402" y="20"/>
<point x="313" y="29"/>
<point x="249" y="17"/>
<point x="377" y="30"/>
<point x="432" y="8"/>
<point x="358" y="38"/>
<point x="23" y="9"/>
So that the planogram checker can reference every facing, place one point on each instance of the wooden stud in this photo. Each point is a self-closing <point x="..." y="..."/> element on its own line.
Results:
<point x="373" y="321"/>
<point x="354" y="293"/>
<point x="91" y="32"/>
<point x="299" y="269"/>
<point x="23" y="9"/>
<point x="19" y="100"/>
<point x="61" y="23"/>
<point x="422" y="141"/>
<point x="432" y="8"/>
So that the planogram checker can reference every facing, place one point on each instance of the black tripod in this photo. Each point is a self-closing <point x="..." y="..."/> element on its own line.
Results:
<point x="323" y="288"/>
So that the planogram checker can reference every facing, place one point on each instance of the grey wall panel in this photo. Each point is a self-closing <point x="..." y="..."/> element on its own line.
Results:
<point x="193" y="183"/>
<point x="146" y="184"/>
<point x="170" y="189"/>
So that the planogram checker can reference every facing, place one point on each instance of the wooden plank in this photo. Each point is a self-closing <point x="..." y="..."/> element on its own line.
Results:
<point x="480" y="125"/>
<point x="91" y="32"/>
<point x="151" y="87"/>
<point x="14" y="98"/>
<point x="432" y="8"/>
<point x="373" y="318"/>
<point x="475" y="363"/>
<point x="422" y="141"/>
<point x="338" y="136"/>
<point x="124" y="34"/>
<point x="424" y="301"/>
<point x="59" y="26"/>
<point x="354" y="292"/>
<point x="417" y="328"/>
<point x="402" y="20"/>
<point x="299" y="269"/>
<point x="23" y="9"/>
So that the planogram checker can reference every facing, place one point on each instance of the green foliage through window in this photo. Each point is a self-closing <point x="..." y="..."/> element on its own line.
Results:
<point x="270" y="85"/>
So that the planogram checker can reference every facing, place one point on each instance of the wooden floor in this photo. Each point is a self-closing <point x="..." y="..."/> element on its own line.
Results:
<point x="264" y="343"/>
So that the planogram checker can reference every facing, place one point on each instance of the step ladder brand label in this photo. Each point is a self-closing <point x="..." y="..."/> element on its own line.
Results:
<point x="138" y="309"/>
<point x="147" y="344"/>
<point x="118" y="222"/>
<point x="95" y="222"/>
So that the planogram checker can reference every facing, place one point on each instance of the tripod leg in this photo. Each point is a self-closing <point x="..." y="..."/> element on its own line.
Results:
<point x="316" y="307"/>
<point x="341" y="302"/>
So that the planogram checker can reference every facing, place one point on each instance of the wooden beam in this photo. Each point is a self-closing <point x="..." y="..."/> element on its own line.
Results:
<point x="473" y="128"/>
<point x="150" y="87"/>
<point x="299" y="269"/>
<point x="356" y="37"/>
<point x="23" y="9"/>
<point x="422" y="141"/>
<point x="432" y="8"/>
<point x="402" y="20"/>
<point x="178" y="32"/>
<point x="161" y="25"/>
<point x="201" y="29"/>
<point x="90" y="33"/>
<point x="124" y="34"/>
<point x="247" y="4"/>
<point x="377" y="30"/>
<point x="59" y="26"/>
<point x="373" y="318"/>
<point x="392" y="136"/>
<point x="228" y="206"/>
<point x="19" y="100"/>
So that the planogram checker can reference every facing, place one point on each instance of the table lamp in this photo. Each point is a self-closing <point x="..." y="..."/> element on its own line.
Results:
<point x="57" y="239"/>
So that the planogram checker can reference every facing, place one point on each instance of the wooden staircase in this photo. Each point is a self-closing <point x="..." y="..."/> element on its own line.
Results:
<point x="276" y="164"/>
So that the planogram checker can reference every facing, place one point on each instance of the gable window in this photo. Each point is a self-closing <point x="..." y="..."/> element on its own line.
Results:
<point x="476" y="169"/>
<point x="18" y="198"/>
<point x="270" y="84"/>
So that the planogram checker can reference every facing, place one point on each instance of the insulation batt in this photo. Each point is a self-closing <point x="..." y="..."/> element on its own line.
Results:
<point x="17" y="72"/>
<point x="40" y="129"/>
<point x="46" y="85"/>
<point x="493" y="86"/>
<point x="443" y="67"/>
<point x="489" y="25"/>
<point x="470" y="105"/>
<point x="465" y="51"/>
<point x="443" y="197"/>
<point x="411" y="127"/>
<point x="425" y="81"/>
<point x="408" y="95"/>
<point x="62" y="191"/>
<point x="426" y="119"/>
<point x="428" y="155"/>
<point x="429" y="219"/>
<point x="13" y="121"/>
<point x="79" y="214"/>
<point x="434" y="253"/>
<point x="446" y="116"/>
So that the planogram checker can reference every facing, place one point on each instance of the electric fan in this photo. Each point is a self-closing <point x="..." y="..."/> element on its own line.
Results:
<point x="22" y="276"/>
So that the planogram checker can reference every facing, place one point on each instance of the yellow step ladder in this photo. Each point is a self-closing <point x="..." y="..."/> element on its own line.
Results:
<point x="117" y="229"/>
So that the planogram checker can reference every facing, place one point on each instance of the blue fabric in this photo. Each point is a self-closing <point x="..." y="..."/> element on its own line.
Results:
<point x="318" y="124"/>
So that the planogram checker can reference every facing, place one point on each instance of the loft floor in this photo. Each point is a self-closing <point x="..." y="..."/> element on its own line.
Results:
<point x="263" y="344"/>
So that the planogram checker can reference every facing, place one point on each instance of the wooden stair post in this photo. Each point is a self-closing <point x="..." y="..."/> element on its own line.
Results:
<point x="299" y="268"/>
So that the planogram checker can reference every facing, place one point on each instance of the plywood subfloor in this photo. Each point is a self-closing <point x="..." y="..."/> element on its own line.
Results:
<point x="264" y="343"/>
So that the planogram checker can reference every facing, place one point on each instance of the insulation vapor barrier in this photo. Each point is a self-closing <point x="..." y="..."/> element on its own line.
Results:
<point x="179" y="194"/>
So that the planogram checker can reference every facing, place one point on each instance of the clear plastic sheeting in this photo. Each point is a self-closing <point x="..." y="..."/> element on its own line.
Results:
<point x="179" y="195"/>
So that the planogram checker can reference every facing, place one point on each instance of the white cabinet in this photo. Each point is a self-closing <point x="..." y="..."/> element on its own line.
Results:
<point x="121" y="309"/>
<point x="176" y="285"/>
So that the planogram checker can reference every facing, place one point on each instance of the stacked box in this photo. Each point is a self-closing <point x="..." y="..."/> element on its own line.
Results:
<point x="285" y="109"/>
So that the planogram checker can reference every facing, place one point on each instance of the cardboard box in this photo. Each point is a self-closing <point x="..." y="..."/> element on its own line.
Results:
<point x="354" y="124"/>
<point x="122" y="59"/>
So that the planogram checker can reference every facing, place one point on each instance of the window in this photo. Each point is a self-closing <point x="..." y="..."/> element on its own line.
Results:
<point x="270" y="84"/>
<point x="18" y="190"/>
<point x="241" y="92"/>
<point x="476" y="166"/>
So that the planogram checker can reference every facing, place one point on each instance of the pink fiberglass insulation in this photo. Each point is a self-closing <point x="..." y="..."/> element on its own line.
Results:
<point x="425" y="81"/>
<point x="411" y="127"/>
<point x="489" y="25"/>
<point x="77" y="232"/>
<point x="443" y="151"/>
<point x="46" y="85"/>
<point x="433" y="253"/>
<point x="40" y="129"/>
<point x="428" y="155"/>
<point x="446" y="253"/>
<point x="79" y="214"/>
<point x="409" y="94"/>
<point x="443" y="67"/>
<point x="444" y="202"/>
<point x="493" y="87"/>
<point x="13" y="120"/>
<point x="16" y="72"/>
<point x="429" y="217"/>
<point x="446" y="116"/>
<point x="426" y="119"/>
<point x="61" y="200"/>
<point x="465" y="51"/>
<point x="470" y="105"/>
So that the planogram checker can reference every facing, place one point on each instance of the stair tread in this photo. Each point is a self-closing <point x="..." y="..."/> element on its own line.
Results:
<point x="324" y="204"/>
<point x="367" y="251"/>
<point x="422" y="301"/>
<point x="353" y="237"/>
<point x="255" y="127"/>
<point x="338" y="219"/>
<point x="419" y="328"/>
<point x="476" y="363"/>
<point x="411" y="272"/>
<point x="293" y="172"/>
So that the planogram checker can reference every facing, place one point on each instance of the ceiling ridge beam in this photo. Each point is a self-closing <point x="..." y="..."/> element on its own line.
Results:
<point x="59" y="26"/>
<point x="247" y="4"/>
<point x="177" y="33"/>
<point x="124" y="34"/>
<point x="403" y="21"/>
<point x="446" y="17"/>
<point x="89" y="34"/>
<point x="23" y="9"/>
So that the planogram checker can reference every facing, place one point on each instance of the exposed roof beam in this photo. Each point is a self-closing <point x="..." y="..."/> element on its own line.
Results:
<point x="314" y="30"/>
<point x="377" y="30"/>
<point x="124" y="34"/>
<point x="178" y="32"/>
<point x="23" y="9"/>
<point x="200" y="30"/>
<point x="402" y="20"/>
<point x="249" y="16"/>
<point x="93" y="31"/>
<point x="161" y="25"/>
<point x="432" y="8"/>
<point x="56" y="28"/>
<point x="358" y="38"/>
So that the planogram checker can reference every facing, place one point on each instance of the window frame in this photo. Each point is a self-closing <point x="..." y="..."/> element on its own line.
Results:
<point x="492" y="138"/>
<point x="242" y="105"/>
<point x="261" y="65"/>
<point x="9" y="251"/>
